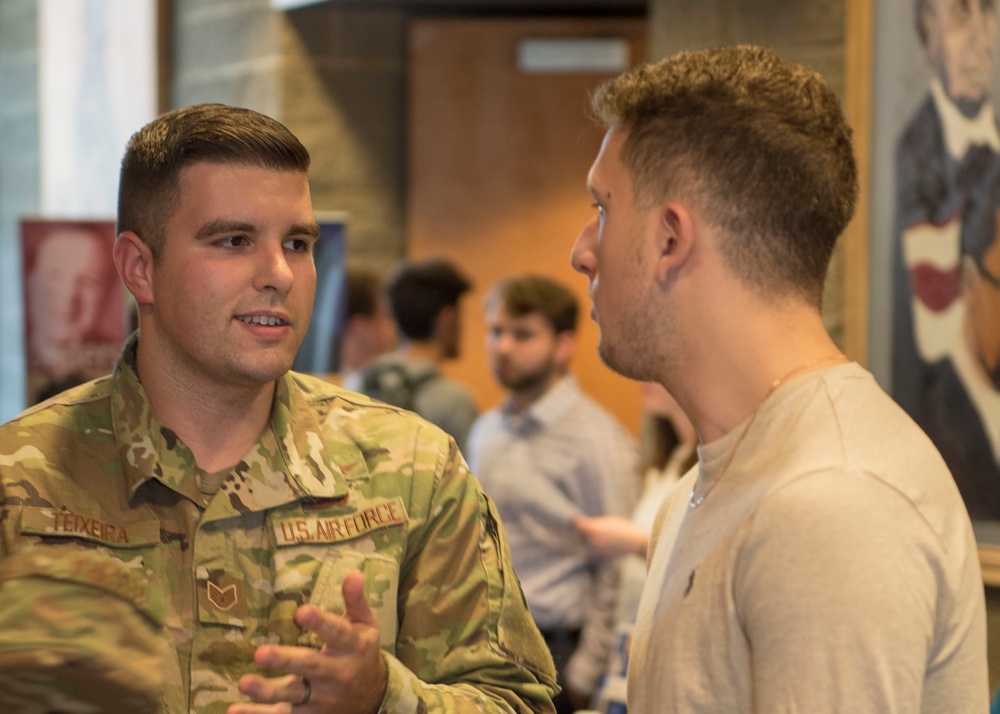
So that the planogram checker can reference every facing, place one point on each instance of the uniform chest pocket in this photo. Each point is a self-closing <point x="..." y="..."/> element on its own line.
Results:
<point x="315" y="574"/>
<point x="381" y="588"/>
<point x="315" y="550"/>
<point x="80" y="629"/>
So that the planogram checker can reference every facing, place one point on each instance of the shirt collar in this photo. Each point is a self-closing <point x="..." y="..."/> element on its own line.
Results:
<point x="297" y="463"/>
<point x="961" y="132"/>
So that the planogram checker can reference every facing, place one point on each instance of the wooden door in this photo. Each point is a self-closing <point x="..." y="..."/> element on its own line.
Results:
<point x="497" y="166"/>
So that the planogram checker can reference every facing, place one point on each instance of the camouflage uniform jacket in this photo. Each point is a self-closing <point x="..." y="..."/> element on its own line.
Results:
<point x="336" y="483"/>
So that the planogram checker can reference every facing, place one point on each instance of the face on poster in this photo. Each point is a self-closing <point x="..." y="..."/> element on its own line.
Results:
<point x="74" y="303"/>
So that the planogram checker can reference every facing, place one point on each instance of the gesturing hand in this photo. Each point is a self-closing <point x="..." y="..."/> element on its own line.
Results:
<point x="612" y="535"/>
<point x="348" y="675"/>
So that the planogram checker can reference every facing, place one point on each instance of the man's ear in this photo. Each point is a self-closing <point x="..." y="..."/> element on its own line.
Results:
<point x="355" y="324"/>
<point x="565" y="347"/>
<point x="134" y="261"/>
<point x="444" y="321"/>
<point x="675" y="239"/>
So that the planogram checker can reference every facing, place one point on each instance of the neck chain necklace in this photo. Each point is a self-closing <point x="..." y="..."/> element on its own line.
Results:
<point x="696" y="500"/>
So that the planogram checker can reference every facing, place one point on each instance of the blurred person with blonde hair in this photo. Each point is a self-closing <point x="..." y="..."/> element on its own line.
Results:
<point x="668" y="450"/>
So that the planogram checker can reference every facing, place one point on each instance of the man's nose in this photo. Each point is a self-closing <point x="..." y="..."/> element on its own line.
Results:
<point x="274" y="272"/>
<point x="500" y="343"/>
<point x="582" y="257"/>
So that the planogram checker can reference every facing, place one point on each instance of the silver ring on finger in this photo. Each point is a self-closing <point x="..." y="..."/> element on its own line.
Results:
<point x="307" y="695"/>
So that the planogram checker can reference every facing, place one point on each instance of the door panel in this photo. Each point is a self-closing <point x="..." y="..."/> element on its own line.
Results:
<point x="497" y="167"/>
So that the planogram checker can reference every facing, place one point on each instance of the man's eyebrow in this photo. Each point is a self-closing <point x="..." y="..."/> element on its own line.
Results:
<point x="214" y="228"/>
<point x="309" y="229"/>
<point x="596" y="193"/>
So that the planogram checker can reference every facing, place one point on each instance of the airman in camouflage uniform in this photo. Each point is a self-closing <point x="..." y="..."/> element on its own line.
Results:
<point x="246" y="575"/>
<point x="336" y="484"/>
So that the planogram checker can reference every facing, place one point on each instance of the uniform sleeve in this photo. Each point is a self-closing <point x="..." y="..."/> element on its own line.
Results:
<point x="843" y="591"/>
<point x="466" y="641"/>
<point x="615" y="478"/>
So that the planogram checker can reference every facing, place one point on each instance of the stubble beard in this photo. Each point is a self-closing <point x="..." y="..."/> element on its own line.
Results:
<point x="261" y="366"/>
<point x="264" y="371"/>
<point x="526" y="381"/>
<point x="620" y="359"/>
<point x="631" y="351"/>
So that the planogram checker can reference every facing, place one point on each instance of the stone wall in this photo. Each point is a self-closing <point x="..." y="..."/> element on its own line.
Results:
<point x="335" y="77"/>
<point x="809" y="31"/>
<point x="227" y="51"/>
<point x="344" y="95"/>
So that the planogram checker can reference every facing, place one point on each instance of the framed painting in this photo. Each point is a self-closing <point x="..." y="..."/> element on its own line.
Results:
<point x="75" y="313"/>
<point x="934" y="251"/>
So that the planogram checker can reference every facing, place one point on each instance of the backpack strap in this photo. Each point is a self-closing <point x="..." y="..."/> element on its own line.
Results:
<point x="392" y="383"/>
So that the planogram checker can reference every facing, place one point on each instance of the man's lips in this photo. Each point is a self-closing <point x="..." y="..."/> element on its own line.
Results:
<point x="264" y="320"/>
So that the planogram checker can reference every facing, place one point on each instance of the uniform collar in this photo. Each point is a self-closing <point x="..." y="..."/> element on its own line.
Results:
<point x="291" y="460"/>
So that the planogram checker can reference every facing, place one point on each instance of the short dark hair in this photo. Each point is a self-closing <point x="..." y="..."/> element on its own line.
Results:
<point x="148" y="188"/>
<point x="417" y="292"/>
<point x="528" y="294"/>
<point x="758" y="143"/>
<point x="362" y="289"/>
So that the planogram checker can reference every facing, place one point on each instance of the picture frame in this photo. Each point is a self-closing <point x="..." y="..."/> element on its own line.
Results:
<point x="919" y="241"/>
<point x="76" y="316"/>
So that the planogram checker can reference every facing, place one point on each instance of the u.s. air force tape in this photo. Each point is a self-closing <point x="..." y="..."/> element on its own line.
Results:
<point x="371" y="517"/>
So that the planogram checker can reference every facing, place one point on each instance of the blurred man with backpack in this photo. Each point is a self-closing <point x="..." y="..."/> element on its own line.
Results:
<point x="423" y="299"/>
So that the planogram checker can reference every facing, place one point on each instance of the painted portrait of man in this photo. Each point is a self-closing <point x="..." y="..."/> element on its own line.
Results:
<point x="946" y="158"/>
<point x="74" y="307"/>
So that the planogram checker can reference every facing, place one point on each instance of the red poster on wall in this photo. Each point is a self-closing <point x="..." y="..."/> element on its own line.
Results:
<point x="74" y="303"/>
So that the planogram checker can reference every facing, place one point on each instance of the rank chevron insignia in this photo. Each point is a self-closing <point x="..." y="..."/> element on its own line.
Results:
<point x="223" y="598"/>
